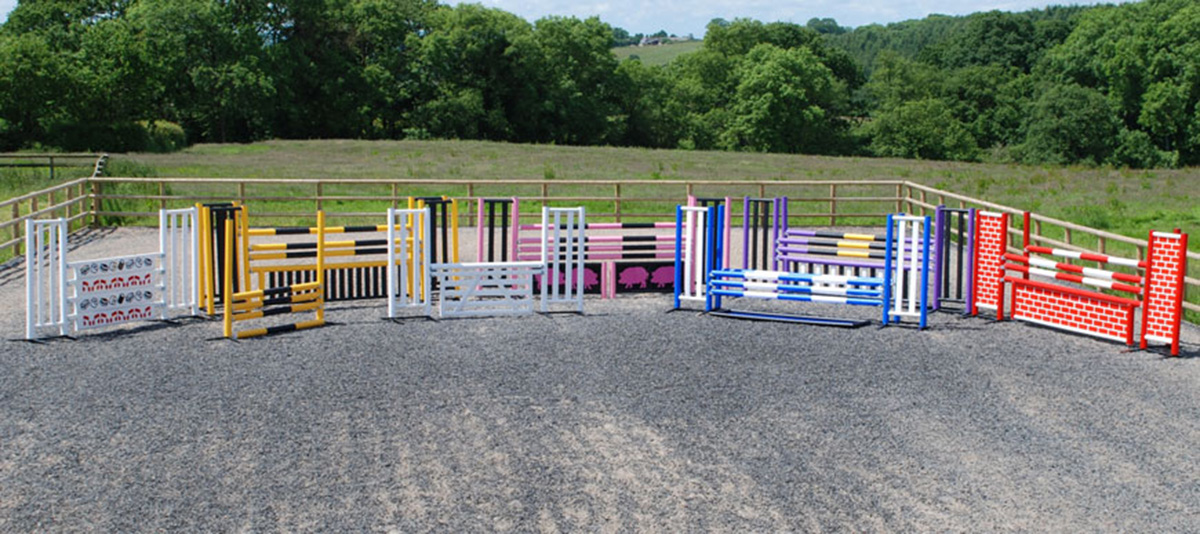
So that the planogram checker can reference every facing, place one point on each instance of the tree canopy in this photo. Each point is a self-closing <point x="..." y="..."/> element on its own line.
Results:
<point x="1096" y="85"/>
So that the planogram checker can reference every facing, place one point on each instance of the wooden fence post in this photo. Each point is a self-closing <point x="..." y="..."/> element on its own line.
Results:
<point x="617" y="200"/>
<point x="96" y="204"/>
<point x="16" y="230"/>
<point x="832" y="204"/>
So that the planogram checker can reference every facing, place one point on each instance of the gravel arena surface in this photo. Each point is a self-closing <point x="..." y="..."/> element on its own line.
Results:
<point x="624" y="419"/>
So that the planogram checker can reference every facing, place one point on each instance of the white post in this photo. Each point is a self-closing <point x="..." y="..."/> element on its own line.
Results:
<point x="391" y="259"/>
<point x="193" y="219"/>
<point x="165" y="265"/>
<point x="914" y="268"/>
<point x="61" y="236"/>
<point x="30" y="280"/>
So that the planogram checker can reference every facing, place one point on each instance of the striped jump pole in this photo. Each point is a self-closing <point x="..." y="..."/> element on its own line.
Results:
<point x="845" y="236"/>
<point x="1071" y="308"/>
<point x="794" y="287"/>
<point x="267" y="302"/>
<point x="634" y="255"/>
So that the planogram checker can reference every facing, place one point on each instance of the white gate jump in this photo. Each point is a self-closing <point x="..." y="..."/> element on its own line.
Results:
<point x="562" y="256"/>
<point x="486" y="289"/>
<point x="81" y="295"/>
<point x="409" y="278"/>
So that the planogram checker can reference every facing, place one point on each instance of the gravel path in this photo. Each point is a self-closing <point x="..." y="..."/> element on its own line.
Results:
<point x="627" y="418"/>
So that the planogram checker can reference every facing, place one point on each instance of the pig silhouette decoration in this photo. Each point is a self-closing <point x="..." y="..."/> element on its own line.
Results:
<point x="663" y="276"/>
<point x="590" y="279"/>
<point x="634" y="276"/>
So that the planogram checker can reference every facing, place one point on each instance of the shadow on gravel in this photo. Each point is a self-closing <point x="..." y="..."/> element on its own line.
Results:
<point x="113" y="335"/>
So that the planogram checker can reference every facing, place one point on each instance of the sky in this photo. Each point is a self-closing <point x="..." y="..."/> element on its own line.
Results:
<point x="682" y="17"/>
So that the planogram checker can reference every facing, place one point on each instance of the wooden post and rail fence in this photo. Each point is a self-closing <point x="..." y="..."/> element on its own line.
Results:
<point x="96" y="200"/>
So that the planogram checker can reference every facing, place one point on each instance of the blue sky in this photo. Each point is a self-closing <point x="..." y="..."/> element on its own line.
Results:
<point x="684" y="17"/>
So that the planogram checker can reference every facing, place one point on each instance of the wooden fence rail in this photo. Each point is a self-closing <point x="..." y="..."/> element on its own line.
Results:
<point x="53" y="162"/>
<point x="98" y="199"/>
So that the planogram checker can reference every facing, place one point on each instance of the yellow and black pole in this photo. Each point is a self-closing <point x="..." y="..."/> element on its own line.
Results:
<point x="320" y="268"/>
<point x="227" y="290"/>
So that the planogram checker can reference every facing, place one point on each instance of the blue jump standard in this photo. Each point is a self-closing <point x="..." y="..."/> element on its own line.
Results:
<point x="786" y="318"/>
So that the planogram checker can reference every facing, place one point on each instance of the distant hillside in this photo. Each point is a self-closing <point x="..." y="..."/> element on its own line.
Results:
<point x="926" y="38"/>
<point x="658" y="55"/>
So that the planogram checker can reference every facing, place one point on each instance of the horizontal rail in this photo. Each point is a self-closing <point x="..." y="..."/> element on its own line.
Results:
<point x="55" y="156"/>
<point x="431" y="181"/>
<point x="71" y="219"/>
<point x="44" y="192"/>
<point x="42" y="211"/>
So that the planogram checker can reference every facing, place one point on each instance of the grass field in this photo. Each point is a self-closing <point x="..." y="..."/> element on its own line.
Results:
<point x="657" y="55"/>
<point x="1128" y="202"/>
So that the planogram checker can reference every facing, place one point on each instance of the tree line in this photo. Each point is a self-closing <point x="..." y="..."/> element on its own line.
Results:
<point x="1097" y="85"/>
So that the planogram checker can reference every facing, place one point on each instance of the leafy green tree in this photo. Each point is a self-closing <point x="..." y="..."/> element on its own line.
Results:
<point x="786" y="101"/>
<point x="647" y="105"/>
<point x="700" y="88"/>
<point x="924" y="129"/>
<point x="1070" y="124"/>
<point x="568" y="97"/>
<point x="469" y="78"/>
<point x="1145" y="57"/>
<point x="990" y="101"/>
<point x="896" y="80"/>
<point x="208" y="67"/>
<point x="825" y="26"/>
<point x="32" y="79"/>
<point x="992" y="38"/>
<point x="1135" y="149"/>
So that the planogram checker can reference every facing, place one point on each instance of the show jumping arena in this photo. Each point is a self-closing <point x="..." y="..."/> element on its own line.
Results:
<point x="627" y="417"/>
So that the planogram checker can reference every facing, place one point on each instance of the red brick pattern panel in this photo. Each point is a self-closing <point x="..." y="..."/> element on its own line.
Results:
<point x="1072" y="312"/>
<point x="1163" y="298"/>
<point x="991" y="234"/>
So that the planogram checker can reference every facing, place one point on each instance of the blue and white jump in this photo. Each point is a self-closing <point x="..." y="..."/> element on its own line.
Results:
<point x="905" y="263"/>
